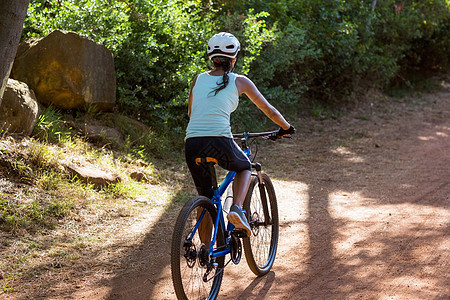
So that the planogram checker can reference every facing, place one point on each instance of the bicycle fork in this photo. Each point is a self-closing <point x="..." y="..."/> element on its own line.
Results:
<point x="262" y="191"/>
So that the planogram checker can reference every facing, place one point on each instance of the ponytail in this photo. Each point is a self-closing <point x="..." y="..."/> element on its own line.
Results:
<point x="226" y="64"/>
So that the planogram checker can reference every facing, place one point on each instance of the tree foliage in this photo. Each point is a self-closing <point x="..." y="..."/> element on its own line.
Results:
<point x="295" y="51"/>
<point x="326" y="50"/>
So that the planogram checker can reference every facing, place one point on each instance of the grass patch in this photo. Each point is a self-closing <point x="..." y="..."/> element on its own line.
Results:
<point x="364" y="117"/>
<point x="322" y="111"/>
<point x="415" y="82"/>
<point x="20" y="212"/>
<point x="51" y="127"/>
<point x="49" y="219"/>
<point x="51" y="194"/>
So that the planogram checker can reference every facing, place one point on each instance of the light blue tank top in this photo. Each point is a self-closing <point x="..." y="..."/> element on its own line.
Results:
<point x="210" y="114"/>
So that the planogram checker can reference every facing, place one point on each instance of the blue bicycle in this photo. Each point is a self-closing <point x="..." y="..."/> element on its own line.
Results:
<point x="202" y="238"/>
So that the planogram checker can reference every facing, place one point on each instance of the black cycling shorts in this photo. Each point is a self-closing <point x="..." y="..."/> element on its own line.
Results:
<point x="228" y="154"/>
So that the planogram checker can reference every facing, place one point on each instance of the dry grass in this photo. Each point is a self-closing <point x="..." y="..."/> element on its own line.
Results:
<point x="51" y="223"/>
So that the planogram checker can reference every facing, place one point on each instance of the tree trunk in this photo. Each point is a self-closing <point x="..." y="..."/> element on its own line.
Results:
<point x="12" y="16"/>
<point x="374" y="3"/>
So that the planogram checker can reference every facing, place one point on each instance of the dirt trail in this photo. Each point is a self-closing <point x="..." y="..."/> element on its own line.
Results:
<point x="364" y="210"/>
<point x="364" y="207"/>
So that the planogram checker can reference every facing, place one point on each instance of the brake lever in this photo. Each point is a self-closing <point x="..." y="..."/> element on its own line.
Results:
<point x="277" y="137"/>
<point x="272" y="137"/>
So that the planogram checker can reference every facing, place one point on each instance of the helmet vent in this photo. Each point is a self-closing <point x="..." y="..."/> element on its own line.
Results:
<point x="223" y="44"/>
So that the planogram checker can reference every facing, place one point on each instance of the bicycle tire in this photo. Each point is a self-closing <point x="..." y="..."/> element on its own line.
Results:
<point x="261" y="247"/>
<point x="187" y="273"/>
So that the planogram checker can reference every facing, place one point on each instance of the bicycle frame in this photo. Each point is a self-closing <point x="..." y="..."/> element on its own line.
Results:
<point x="220" y="220"/>
<point x="199" y="250"/>
<point x="220" y="190"/>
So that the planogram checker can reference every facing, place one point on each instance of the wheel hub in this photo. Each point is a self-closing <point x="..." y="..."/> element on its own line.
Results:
<point x="255" y="222"/>
<point x="203" y="256"/>
<point x="190" y="253"/>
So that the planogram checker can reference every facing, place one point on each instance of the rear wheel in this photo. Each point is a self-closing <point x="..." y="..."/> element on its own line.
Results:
<point x="193" y="274"/>
<point x="261" y="247"/>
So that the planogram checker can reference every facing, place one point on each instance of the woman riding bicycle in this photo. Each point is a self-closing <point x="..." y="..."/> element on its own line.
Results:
<point x="213" y="96"/>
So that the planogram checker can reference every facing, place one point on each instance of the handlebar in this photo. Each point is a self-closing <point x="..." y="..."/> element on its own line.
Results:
<point x="268" y="135"/>
<point x="271" y="135"/>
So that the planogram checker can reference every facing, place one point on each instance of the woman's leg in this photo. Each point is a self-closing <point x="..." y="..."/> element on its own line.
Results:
<point x="240" y="186"/>
<point x="205" y="229"/>
<point x="200" y="174"/>
<point x="236" y="215"/>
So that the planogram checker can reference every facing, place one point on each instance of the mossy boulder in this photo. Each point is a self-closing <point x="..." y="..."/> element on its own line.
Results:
<point x="67" y="71"/>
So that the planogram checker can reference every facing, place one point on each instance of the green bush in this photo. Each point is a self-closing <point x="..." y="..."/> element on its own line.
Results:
<point x="425" y="36"/>
<point x="316" y="51"/>
<point x="325" y="50"/>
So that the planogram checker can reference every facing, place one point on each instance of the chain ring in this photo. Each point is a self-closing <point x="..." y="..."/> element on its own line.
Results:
<point x="235" y="249"/>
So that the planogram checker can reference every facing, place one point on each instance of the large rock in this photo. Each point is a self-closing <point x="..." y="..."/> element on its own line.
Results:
<point x="92" y="175"/>
<point x="99" y="133"/>
<point x="19" y="110"/>
<point x="67" y="70"/>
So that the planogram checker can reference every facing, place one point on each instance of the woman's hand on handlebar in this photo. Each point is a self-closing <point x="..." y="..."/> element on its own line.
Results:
<point x="286" y="132"/>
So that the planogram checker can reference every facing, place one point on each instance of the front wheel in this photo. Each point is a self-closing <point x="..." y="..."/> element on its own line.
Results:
<point x="194" y="274"/>
<point x="262" y="211"/>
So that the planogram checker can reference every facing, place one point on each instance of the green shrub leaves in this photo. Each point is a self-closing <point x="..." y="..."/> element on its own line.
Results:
<point x="319" y="51"/>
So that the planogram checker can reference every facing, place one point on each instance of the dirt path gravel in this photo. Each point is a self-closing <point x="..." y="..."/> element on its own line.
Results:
<point x="364" y="208"/>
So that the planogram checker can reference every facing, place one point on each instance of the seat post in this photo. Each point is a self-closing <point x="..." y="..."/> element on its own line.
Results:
<point x="212" y="171"/>
<point x="209" y="162"/>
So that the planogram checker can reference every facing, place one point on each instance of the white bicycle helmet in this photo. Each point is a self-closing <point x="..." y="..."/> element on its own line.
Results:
<point x="223" y="44"/>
